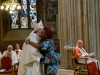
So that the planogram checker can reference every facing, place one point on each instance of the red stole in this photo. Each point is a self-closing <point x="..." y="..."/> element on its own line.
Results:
<point x="17" y="52"/>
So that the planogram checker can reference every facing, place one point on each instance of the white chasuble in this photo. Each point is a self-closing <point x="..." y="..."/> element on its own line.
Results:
<point x="29" y="63"/>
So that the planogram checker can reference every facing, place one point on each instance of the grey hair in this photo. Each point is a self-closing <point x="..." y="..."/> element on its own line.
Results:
<point x="10" y="46"/>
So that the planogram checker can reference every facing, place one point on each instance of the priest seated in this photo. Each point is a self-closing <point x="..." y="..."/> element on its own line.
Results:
<point x="93" y="64"/>
<point x="10" y="53"/>
<point x="17" y="51"/>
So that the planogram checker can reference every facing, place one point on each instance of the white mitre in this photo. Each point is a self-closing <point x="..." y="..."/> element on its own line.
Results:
<point x="37" y="26"/>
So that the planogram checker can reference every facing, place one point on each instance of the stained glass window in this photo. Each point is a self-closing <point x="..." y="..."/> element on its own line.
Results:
<point x="24" y="17"/>
<point x="27" y="16"/>
<point x="14" y="20"/>
<point x="24" y="22"/>
<point x="33" y="13"/>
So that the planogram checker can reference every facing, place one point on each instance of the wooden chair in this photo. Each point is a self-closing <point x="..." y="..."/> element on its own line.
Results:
<point x="77" y="65"/>
<point x="6" y="65"/>
<point x="15" y="69"/>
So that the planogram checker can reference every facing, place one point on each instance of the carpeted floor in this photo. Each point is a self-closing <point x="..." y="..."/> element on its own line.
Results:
<point x="69" y="72"/>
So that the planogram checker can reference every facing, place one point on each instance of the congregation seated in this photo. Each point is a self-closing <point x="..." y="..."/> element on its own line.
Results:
<point x="10" y="53"/>
<point x="92" y="63"/>
<point x="17" y="51"/>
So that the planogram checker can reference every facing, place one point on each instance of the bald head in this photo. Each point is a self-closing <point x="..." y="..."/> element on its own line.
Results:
<point x="10" y="48"/>
<point x="80" y="43"/>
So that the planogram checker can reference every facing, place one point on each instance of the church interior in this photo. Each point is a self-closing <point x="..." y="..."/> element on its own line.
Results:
<point x="73" y="20"/>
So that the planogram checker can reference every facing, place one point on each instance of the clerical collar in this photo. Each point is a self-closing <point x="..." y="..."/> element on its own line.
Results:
<point x="80" y="48"/>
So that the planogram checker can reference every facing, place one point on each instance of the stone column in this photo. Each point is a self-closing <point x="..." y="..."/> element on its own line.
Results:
<point x="79" y="19"/>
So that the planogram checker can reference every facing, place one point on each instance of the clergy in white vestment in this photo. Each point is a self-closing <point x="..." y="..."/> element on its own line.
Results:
<point x="17" y="51"/>
<point x="29" y="63"/>
<point x="9" y="52"/>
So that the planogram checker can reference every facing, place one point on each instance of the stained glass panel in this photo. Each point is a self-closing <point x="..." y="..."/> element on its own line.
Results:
<point x="33" y="12"/>
<point x="24" y="17"/>
<point x="24" y="8"/>
<point x="24" y="22"/>
<point x="14" y="19"/>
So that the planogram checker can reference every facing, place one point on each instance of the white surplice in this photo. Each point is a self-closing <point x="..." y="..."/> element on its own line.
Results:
<point x="29" y="61"/>
<point x="83" y="55"/>
<point x="89" y="58"/>
<point x="18" y="55"/>
<point x="13" y="56"/>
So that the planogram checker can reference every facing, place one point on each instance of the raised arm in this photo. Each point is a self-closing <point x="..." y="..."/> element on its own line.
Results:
<point x="32" y="43"/>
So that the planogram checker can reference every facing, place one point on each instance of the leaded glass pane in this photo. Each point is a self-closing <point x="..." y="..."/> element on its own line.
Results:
<point x="24" y="17"/>
<point x="14" y="19"/>
<point x="24" y="8"/>
<point x="33" y="13"/>
<point x="24" y="22"/>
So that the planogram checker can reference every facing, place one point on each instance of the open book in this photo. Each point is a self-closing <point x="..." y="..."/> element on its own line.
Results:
<point x="2" y="70"/>
<point x="91" y="54"/>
